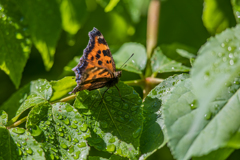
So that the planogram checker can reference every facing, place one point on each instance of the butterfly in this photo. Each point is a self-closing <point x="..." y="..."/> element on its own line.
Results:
<point x="96" y="68"/>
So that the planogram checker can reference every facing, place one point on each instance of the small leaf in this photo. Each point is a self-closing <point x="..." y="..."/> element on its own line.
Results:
<point x="62" y="87"/>
<point x="60" y="129"/>
<point x="44" y="31"/>
<point x="73" y="14"/>
<point x="40" y="91"/>
<point x="153" y="136"/>
<point x="14" y="49"/>
<point x="115" y="123"/>
<point x="160" y="63"/>
<point x="3" y="118"/>
<point x="13" y="103"/>
<point x="137" y="62"/>
<point x="179" y="114"/>
<point x="214" y="16"/>
<point x="17" y="143"/>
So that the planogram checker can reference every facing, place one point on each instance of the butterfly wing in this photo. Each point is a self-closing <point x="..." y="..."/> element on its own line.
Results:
<point x="96" y="66"/>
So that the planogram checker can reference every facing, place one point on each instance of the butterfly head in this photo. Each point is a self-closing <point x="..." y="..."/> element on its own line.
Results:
<point x="117" y="74"/>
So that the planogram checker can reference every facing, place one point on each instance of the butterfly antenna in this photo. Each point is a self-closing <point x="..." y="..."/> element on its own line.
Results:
<point x="127" y="61"/>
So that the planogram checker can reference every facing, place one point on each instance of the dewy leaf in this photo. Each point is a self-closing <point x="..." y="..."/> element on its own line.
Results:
<point x="153" y="136"/>
<point x="60" y="129"/>
<point x="137" y="63"/>
<point x="17" y="143"/>
<point x="217" y="64"/>
<point x="214" y="16"/>
<point x="13" y="103"/>
<point x="40" y="91"/>
<point x="160" y="63"/>
<point x="14" y="49"/>
<point x="236" y="9"/>
<point x="44" y="20"/>
<point x="73" y="14"/>
<point x="219" y="125"/>
<point x="3" y="118"/>
<point x="115" y="123"/>
<point x="62" y="87"/>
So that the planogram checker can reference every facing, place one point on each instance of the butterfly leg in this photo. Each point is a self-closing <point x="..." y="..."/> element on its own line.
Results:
<point x="119" y="93"/>
<point x="103" y="95"/>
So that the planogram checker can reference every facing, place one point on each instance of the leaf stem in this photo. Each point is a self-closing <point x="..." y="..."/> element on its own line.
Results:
<point x="18" y="123"/>
<point x="68" y="98"/>
<point x="139" y="82"/>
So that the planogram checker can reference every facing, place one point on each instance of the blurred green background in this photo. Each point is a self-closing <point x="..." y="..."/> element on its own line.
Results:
<point x="185" y="23"/>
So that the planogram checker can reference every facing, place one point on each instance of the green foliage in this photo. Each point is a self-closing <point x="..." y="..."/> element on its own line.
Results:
<point x="196" y="114"/>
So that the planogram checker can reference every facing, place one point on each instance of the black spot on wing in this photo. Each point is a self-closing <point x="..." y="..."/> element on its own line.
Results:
<point x="106" y="53"/>
<point x="110" y="61"/>
<point x="100" y="62"/>
<point x="99" y="52"/>
<point x="102" y="41"/>
<point x="107" y="62"/>
<point x="97" y="56"/>
<point x="92" y="58"/>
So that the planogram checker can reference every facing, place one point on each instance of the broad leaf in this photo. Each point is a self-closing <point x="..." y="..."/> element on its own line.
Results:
<point x="17" y="143"/>
<point x="179" y="113"/>
<point x="60" y="129"/>
<point x="217" y="64"/>
<point x="62" y="87"/>
<point x="14" y="49"/>
<point x="44" y="20"/>
<point x="214" y="16"/>
<point x="160" y="63"/>
<point x="137" y="62"/>
<point x="153" y="136"/>
<point x="3" y="118"/>
<point x="73" y="14"/>
<point x="116" y="122"/>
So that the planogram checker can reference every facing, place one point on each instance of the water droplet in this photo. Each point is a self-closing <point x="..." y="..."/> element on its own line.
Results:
<point x="76" y="156"/>
<point x="40" y="152"/>
<point x="64" y="146"/>
<point x="71" y="150"/>
<point x="74" y="126"/>
<point x="173" y="68"/>
<point x="112" y="140"/>
<point x="137" y="133"/>
<point x="35" y="130"/>
<point x="29" y="151"/>
<point x="82" y="144"/>
<point x="19" y="130"/>
<point x="69" y="108"/>
<point x="60" y="117"/>
<point x="125" y="106"/>
<point x="133" y="61"/>
<point x="208" y="115"/>
<point x="84" y="127"/>
<point x="116" y="104"/>
<point x="193" y="105"/>
<point x="111" y="148"/>
<point x="108" y="98"/>
<point x="134" y="108"/>
<point x="126" y="116"/>
<point x="223" y="45"/>
<point x="66" y="121"/>
<point x="231" y="62"/>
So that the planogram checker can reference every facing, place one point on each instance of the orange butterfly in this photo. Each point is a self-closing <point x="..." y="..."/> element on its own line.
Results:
<point x="96" y="68"/>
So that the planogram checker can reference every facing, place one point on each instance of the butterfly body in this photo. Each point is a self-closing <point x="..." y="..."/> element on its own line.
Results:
<point x="96" y="68"/>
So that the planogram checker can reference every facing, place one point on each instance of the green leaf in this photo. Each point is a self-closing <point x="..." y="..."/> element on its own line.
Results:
<point x="179" y="114"/>
<point x="17" y="143"/>
<point x="137" y="62"/>
<point x="153" y="136"/>
<point x="13" y="103"/>
<point x="40" y="91"/>
<point x="62" y="87"/>
<point x="14" y="49"/>
<point x="214" y="16"/>
<point x="185" y="53"/>
<point x="116" y="124"/>
<point x="220" y="154"/>
<point x="160" y="63"/>
<point x="136" y="8"/>
<point x="236" y="9"/>
<point x="218" y="64"/>
<point x="111" y="5"/>
<point x="3" y="118"/>
<point x="60" y="129"/>
<point x="73" y="14"/>
<point x="44" y="20"/>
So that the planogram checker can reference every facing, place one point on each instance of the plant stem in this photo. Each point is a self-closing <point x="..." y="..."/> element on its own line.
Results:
<point x="152" y="35"/>
<point x="18" y="123"/>
<point x="68" y="98"/>
<point x="139" y="82"/>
